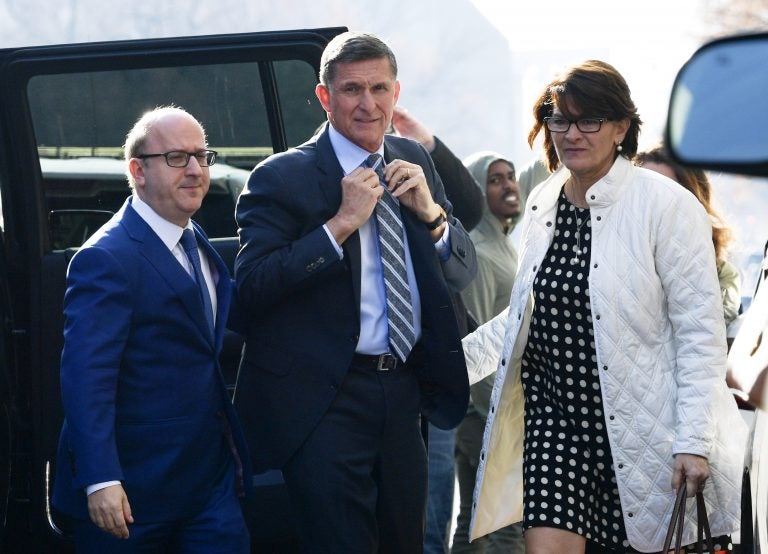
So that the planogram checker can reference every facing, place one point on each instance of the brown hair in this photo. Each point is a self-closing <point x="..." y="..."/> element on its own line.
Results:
<point x="695" y="180"/>
<point x="597" y="90"/>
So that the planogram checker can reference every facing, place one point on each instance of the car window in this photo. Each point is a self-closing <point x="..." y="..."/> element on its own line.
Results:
<point x="80" y="121"/>
<point x="296" y="86"/>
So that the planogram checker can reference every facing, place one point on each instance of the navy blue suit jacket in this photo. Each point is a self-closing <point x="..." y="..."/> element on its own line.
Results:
<point x="142" y="391"/>
<point x="303" y="301"/>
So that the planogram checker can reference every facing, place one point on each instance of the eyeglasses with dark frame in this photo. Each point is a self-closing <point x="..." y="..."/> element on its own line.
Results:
<point x="179" y="158"/>
<point x="559" y="124"/>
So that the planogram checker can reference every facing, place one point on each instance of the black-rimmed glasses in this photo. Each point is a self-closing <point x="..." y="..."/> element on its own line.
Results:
<point x="559" y="124"/>
<point x="179" y="158"/>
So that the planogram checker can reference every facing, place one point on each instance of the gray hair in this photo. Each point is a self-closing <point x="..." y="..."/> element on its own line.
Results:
<point x="353" y="47"/>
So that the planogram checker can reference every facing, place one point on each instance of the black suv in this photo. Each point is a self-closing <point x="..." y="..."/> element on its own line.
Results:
<point x="64" y="112"/>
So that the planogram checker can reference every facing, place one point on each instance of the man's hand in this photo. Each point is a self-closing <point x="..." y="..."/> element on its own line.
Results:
<point x="110" y="511"/>
<point x="692" y="470"/>
<point x="407" y="183"/>
<point x="409" y="127"/>
<point x="360" y="190"/>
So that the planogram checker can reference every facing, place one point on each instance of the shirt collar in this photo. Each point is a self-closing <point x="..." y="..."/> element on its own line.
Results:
<point x="169" y="233"/>
<point x="350" y="155"/>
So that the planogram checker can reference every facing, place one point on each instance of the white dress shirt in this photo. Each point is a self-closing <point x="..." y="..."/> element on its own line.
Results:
<point x="374" y="335"/>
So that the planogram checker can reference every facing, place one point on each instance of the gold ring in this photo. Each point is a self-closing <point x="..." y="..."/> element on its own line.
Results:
<point x="407" y="172"/>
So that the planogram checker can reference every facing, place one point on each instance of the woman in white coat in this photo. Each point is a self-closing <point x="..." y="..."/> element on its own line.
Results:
<point x="610" y="391"/>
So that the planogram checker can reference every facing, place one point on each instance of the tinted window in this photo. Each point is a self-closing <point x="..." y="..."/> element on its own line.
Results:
<point x="80" y="122"/>
<point x="302" y="111"/>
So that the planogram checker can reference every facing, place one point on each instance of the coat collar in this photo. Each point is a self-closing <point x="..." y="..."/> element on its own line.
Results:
<point x="543" y="199"/>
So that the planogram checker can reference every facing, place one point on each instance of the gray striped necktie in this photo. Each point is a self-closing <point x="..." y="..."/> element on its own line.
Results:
<point x="399" y="308"/>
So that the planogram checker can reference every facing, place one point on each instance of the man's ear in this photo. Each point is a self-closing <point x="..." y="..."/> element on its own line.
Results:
<point x="324" y="96"/>
<point x="136" y="169"/>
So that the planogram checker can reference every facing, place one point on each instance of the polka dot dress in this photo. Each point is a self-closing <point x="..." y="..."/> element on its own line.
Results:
<point x="569" y="481"/>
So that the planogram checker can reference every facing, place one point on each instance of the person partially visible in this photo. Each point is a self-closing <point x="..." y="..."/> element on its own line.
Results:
<point x="610" y="391"/>
<point x="151" y="456"/>
<point x="695" y="180"/>
<point x="462" y="191"/>
<point x="487" y="296"/>
<point x="533" y="173"/>
<point x="467" y="200"/>
<point x="348" y="255"/>
<point x="488" y="293"/>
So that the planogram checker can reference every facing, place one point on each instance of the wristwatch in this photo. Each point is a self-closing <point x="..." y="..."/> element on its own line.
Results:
<point x="439" y="220"/>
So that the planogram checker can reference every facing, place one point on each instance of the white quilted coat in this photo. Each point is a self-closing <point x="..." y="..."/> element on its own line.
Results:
<point x="660" y="341"/>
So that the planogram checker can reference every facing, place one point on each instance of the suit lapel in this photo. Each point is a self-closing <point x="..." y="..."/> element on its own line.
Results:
<point x="331" y="174"/>
<point x="167" y="267"/>
<point x="329" y="170"/>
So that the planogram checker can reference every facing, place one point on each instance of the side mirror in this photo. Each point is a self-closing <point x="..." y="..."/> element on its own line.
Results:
<point x="71" y="228"/>
<point x="718" y="115"/>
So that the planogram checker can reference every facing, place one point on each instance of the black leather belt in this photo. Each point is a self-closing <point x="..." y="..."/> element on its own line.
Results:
<point x="382" y="362"/>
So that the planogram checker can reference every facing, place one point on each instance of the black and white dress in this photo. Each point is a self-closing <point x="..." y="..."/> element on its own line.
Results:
<point x="569" y="481"/>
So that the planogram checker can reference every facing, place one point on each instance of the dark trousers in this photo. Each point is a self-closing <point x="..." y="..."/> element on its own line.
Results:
<point x="219" y="528"/>
<point x="358" y="484"/>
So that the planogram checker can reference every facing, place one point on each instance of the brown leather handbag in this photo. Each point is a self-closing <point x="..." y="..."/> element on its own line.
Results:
<point x="678" y="520"/>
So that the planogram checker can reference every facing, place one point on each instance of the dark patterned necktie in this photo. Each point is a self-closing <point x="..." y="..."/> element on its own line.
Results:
<point x="189" y="243"/>
<point x="390" y="227"/>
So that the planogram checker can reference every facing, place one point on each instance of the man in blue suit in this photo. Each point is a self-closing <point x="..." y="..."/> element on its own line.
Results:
<point x="325" y="388"/>
<point x="151" y="454"/>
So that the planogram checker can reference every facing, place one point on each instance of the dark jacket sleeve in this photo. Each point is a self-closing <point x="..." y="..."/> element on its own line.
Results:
<point x="460" y="188"/>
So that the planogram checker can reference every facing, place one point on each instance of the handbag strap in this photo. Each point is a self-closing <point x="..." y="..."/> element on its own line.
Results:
<point x="677" y="522"/>
<point x="703" y="525"/>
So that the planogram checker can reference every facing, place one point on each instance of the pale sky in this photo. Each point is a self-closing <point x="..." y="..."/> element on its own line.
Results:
<point x="647" y="43"/>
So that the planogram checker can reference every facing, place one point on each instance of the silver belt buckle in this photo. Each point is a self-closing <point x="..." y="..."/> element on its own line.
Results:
<point x="387" y="362"/>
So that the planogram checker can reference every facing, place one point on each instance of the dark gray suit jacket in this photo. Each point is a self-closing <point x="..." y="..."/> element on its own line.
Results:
<point x="302" y="301"/>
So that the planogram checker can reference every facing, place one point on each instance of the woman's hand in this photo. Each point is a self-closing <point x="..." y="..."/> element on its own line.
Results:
<point x="692" y="470"/>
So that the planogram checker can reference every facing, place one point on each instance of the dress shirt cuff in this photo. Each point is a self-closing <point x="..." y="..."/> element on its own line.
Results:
<point x="90" y="489"/>
<point x="443" y="246"/>
<point x="336" y="246"/>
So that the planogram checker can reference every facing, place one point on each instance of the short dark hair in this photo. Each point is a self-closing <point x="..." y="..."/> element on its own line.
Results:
<point x="597" y="90"/>
<point x="353" y="47"/>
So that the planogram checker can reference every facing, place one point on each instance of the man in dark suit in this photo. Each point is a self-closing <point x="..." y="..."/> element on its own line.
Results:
<point x="151" y="451"/>
<point x="325" y="388"/>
